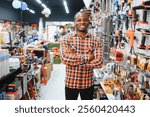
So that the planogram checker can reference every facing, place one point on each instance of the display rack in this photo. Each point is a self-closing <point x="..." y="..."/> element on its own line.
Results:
<point x="129" y="35"/>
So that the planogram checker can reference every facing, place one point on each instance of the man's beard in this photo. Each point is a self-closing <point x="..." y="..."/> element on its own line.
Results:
<point x="80" y="30"/>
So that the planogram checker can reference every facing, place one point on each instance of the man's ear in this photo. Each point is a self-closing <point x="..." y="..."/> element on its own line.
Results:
<point x="90" y="20"/>
<point x="74" y="24"/>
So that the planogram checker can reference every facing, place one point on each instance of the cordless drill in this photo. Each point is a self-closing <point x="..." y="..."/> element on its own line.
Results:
<point x="130" y="35"/>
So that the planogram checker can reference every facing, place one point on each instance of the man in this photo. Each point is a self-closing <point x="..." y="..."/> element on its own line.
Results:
<point x="62" y="31"/>
<point x="43" y="35"/>
<point x="22" y="36"/>
<point x="43" y="39"/>
<point x="80" y="51"/>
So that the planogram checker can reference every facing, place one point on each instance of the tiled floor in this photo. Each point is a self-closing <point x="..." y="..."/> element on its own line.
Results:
<point x="54" y="90"/>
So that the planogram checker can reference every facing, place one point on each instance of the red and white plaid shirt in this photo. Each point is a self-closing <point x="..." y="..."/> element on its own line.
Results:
<point x="79" y="71"/>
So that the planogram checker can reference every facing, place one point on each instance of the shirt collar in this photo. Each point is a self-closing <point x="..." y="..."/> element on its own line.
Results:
<point x="86" y="35"/>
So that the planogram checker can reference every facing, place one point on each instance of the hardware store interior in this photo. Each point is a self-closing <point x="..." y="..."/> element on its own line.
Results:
<point x="32" y="50"/>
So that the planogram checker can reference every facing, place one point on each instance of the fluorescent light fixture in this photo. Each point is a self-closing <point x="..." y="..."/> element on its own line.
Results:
<point x="32" y="11"/>
<point x="43" y="5"/>
<point x="66" y="6"/>
<point x="39" y="1"/>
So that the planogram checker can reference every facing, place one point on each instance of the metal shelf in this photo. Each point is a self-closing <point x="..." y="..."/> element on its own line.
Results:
<point x="9" y="77"/>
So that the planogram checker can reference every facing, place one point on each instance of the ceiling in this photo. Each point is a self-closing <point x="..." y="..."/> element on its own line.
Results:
<point x="58" y="12"/>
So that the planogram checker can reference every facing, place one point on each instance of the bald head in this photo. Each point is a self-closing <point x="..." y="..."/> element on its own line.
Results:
<point x="83" y="12"/>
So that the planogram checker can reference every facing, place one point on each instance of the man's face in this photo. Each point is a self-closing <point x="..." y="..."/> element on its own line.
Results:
<point x="82" y="23"/>
<point x="43" y="30"/>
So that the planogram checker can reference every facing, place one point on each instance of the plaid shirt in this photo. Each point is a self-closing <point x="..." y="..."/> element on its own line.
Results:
<point x="79" y="71"/>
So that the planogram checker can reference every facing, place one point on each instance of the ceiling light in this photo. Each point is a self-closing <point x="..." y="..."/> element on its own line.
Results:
<point x="32" y="11"/>
<point x="66" y="6"/>
<point x="43" y="5"/>
<point x="39" y="1"/>
<point x="46" y="10"/>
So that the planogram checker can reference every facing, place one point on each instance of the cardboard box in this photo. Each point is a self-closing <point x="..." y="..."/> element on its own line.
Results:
<point x="148" y="66"/>
<point x="51" y="66"/>
<point x="48" y="70"/>
<point x="48" y="58"/>
<point x="133" y="59"/>
<point x="142" y="62"/>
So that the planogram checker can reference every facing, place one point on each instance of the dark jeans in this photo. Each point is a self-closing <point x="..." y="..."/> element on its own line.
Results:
<point x="46" y="47"/>
<point x="86" y="94"/>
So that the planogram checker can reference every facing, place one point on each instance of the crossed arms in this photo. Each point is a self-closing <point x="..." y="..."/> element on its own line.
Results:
<point x="90" y="60"/>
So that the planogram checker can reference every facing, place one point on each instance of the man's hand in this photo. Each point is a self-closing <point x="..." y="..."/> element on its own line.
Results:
<point x="71" y="50"/>
<point x="90" y="56"/>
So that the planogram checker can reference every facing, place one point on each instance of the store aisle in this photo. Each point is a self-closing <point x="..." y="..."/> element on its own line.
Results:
<point x="54" y="90"/>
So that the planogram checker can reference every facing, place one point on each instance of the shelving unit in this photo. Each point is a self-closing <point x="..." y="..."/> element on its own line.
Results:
<point x="110" y="96"/>
<point x="109" y="19"/>
<point x="9" y="77"/>
<point x="33" y="71"/>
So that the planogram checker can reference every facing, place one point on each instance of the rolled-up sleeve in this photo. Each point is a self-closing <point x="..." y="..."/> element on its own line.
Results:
<point x="97" y="62"/>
